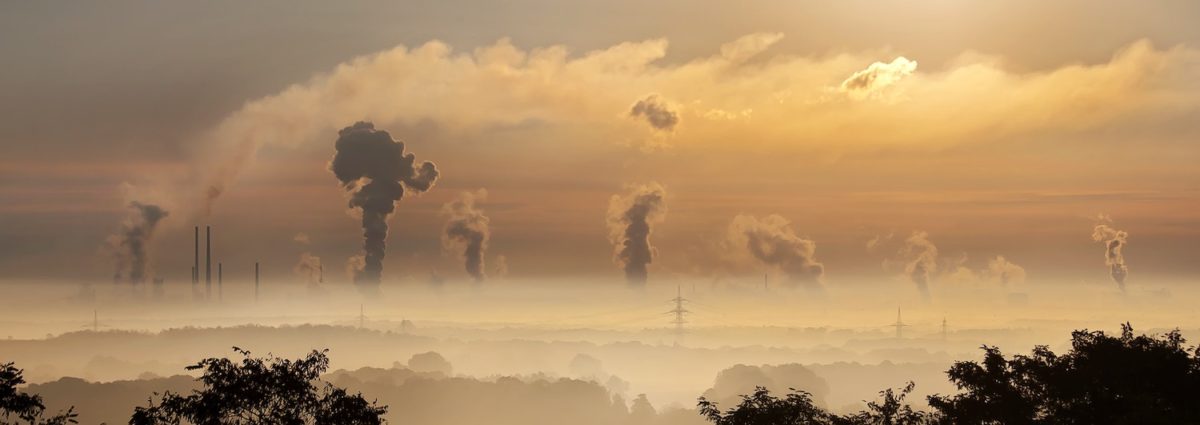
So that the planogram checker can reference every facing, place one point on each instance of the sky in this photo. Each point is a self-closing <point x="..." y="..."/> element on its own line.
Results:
<point x="823" y="143"/>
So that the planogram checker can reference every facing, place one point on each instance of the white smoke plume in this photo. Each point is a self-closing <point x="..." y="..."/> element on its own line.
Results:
<point x="1004" y="271"/>
<point x="309" y="267"/>
<point x="1114" y="244"/>
<point x="920" y="257"/>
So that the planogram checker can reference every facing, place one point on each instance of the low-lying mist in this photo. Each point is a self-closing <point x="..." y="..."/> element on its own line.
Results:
<point x="590" y="339"/>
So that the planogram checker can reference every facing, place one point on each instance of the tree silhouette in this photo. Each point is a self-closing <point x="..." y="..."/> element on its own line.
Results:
<point x="761" y="408"/>
<point x="1104" y="379"/>
<point x="797" y="408"/>
<point x="262" y="391"/>
<point x="27" y="408"/>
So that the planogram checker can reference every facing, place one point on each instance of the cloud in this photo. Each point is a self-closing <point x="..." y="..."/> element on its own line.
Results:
<point x="656" y="112"/>
<point x="629" y="219"/>
<point x="301" y="238"/>
<point x="772" y="242"/>
<point x="553" y="94"/>
<point x="467" y="229"/>
<point x="877" y="77"/>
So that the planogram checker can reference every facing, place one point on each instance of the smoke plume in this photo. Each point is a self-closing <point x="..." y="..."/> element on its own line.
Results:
<point x="309" y="267"/>
<point x="375" y="170"/>
<point x="1114" y="242"/>
<point x="920" y="256"/>
<point x="467" y="229"/>
<point x="774" y="243"/>
<point x="629" y="219"/>
<point x="656" y="112"/>
<point x="1005" y="271"/>
<point x="131" y="243"/>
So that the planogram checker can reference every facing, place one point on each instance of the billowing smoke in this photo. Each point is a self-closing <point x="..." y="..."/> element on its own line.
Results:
<point x="310" y="268"/>
<point x="774" y="243"/>
<point x="467" y="229"/>
<point x="131" y="244"/>
<point x="375" y="170"/>
<point x="1114" y="242"/>
<point x="656" y="112"/>
<point x="630" y="217"/>
<point x="920" y="257"/>
<point x="1005" y="271"/>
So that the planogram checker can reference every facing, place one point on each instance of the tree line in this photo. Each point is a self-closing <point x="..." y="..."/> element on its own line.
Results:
<point x="1102" y="379"/>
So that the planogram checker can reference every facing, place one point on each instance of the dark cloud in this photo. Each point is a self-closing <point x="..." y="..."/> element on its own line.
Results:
<point x="131" y="243"/>
<point x="774" y="243"/>
<point x="376" y="171"/>
<point x="656" y="112"/>
<point x="629" y="220"/>
<point x="467" y="229"/>
<point x="1114" y="243"/>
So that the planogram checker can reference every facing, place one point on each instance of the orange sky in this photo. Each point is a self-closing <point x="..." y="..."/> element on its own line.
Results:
<point x="1001" y="130"/>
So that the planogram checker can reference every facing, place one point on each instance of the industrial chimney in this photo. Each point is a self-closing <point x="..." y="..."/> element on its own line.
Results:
<point x="207" y="262"/>
<point x="195" y="258"/>
<point x="255" y="281"/>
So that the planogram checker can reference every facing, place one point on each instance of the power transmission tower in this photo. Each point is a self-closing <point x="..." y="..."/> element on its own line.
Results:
<point x="679" y="311"/>
<point x="899" y="324"/>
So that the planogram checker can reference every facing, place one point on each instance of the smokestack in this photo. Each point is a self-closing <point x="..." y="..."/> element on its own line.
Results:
<point x="207" y="261"/>
<point x="255" y="281"/>
<point x="220" y="273"/>
<point x="195" y="257"/>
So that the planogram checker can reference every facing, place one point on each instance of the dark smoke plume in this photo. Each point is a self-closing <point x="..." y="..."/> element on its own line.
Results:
<point x="774" y="243"/>
<point x="375" y="170"/>
<point x="629" y="220"/>
<point x="656" y="112"/>
<point x="467" y="229"/>
<point x="1114" y="242"/>
<point x="920" y="256"/>
<point x="131" y="243"/>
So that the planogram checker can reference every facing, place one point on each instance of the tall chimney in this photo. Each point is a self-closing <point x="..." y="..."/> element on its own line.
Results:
<point x="220" y="286"/>
<point x="255" y="281"/>
<point x="196" y="257"/>
<point x="207" y="261"/>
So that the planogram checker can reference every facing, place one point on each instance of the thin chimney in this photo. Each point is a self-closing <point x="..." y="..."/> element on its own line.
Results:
<point x="255" y="281"/>
<point x="220" y="287"/>
<point x="196" y="256"/>
<point x="207" y="261"/>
